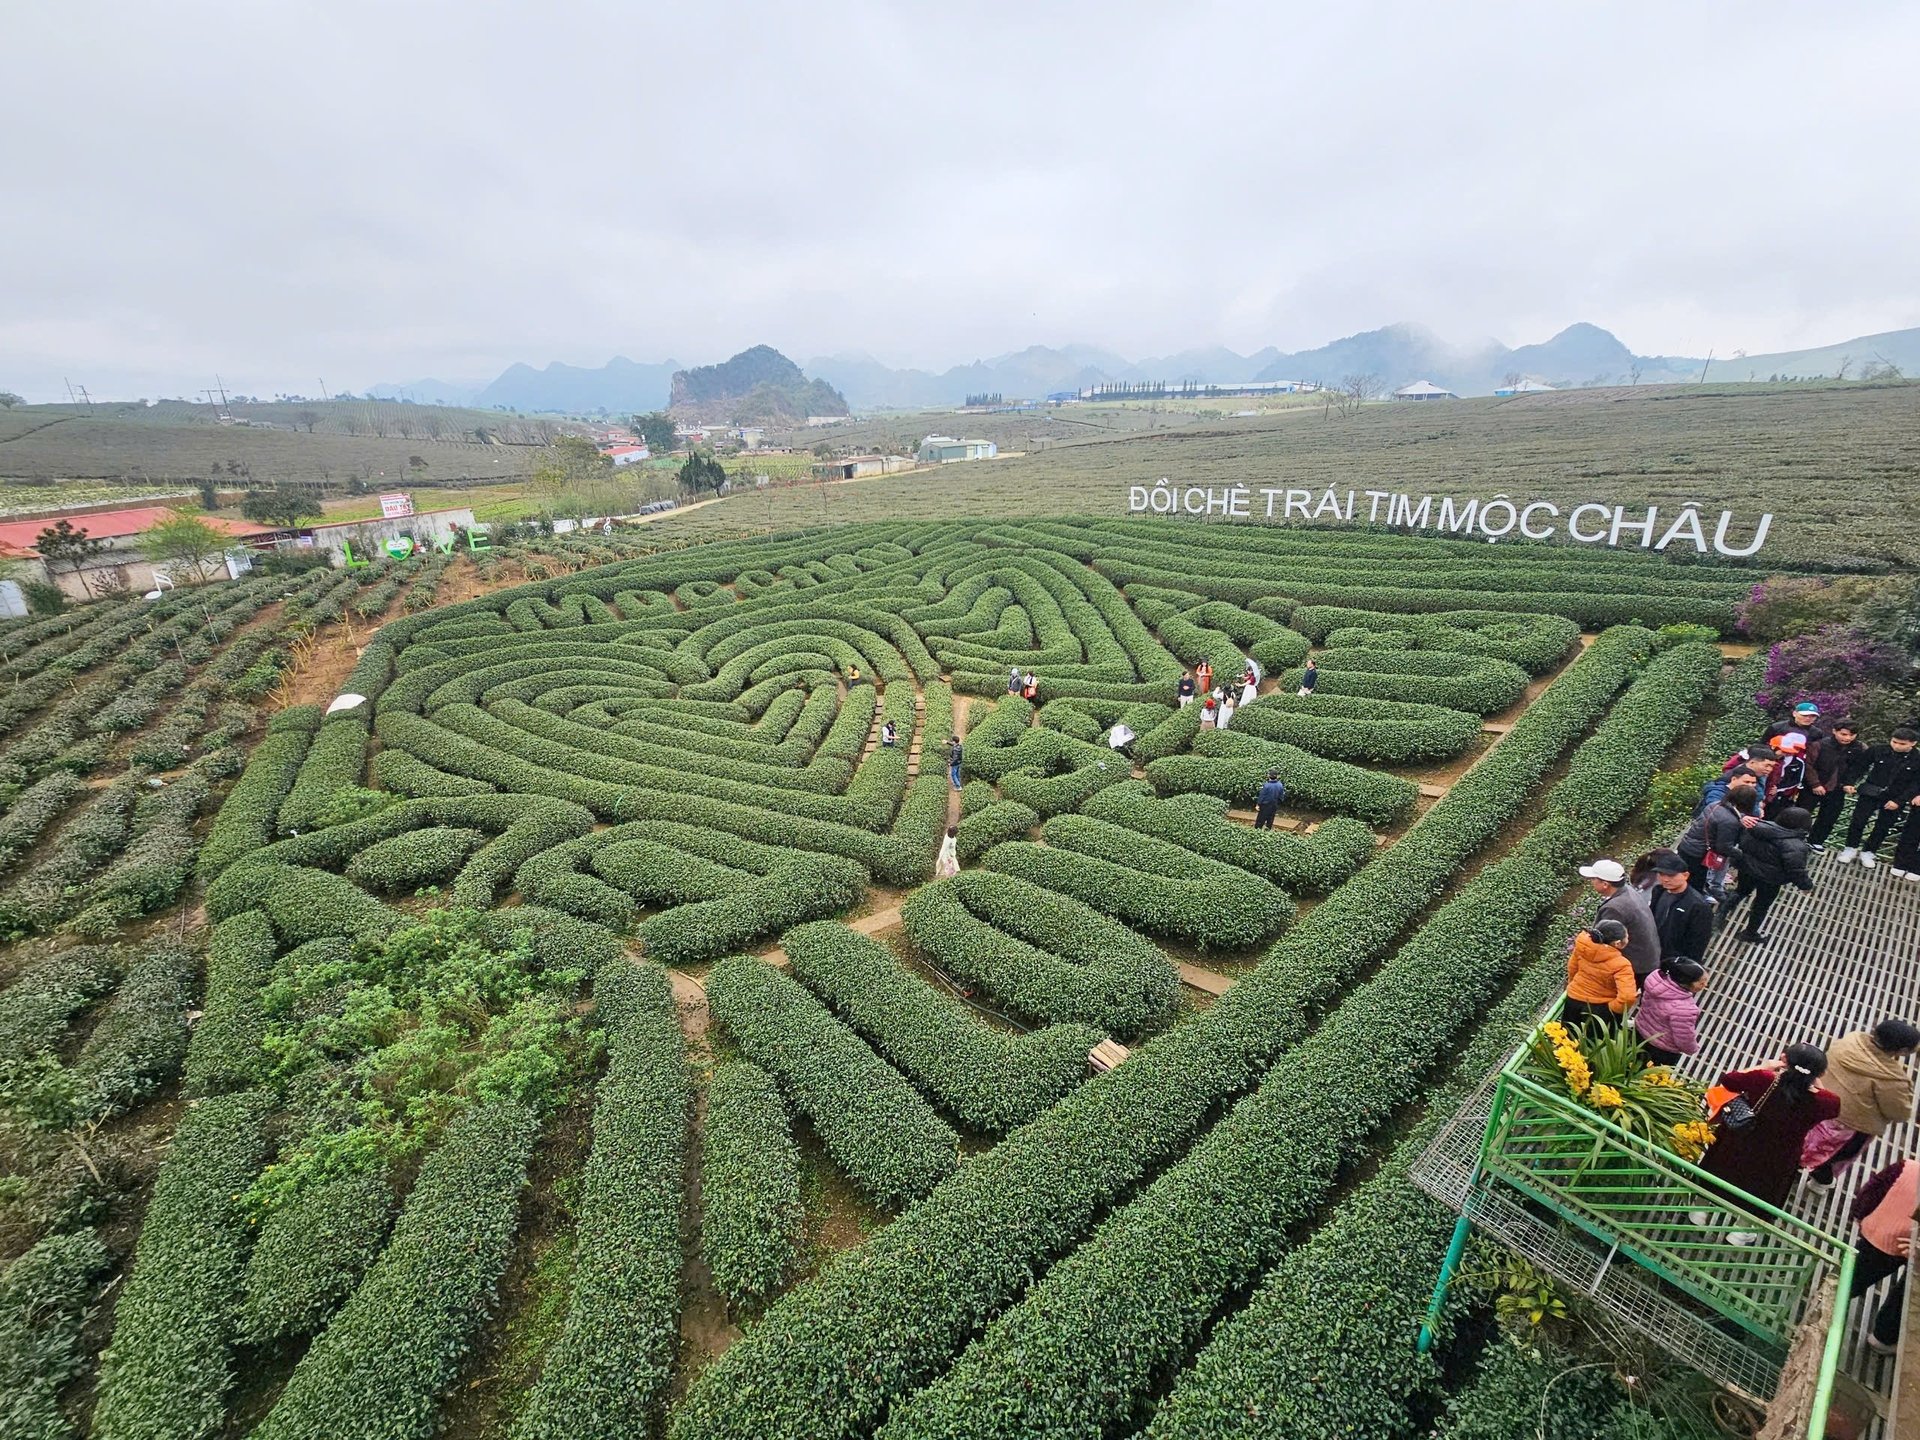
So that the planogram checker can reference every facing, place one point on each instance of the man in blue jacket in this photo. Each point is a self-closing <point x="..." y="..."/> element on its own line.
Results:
<point x="1272" y="795"/>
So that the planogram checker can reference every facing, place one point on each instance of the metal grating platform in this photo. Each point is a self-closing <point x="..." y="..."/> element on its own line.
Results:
<point x="1841" y="959"/>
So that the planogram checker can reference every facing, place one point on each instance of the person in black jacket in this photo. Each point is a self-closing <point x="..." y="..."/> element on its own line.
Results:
<point x="1682" y="915"/>
<point x="1835" y="763"/>
<point x="1804" y="720"/>
<point x="1888" y="782"/>
<point x="1716" y="832"/>
<point x="1774" y="853"/>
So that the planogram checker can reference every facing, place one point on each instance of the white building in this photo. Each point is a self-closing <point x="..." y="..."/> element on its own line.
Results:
<point x="944" y="450"/>
<point x="1522" y="387"/>
<point x="1423" y="390"/>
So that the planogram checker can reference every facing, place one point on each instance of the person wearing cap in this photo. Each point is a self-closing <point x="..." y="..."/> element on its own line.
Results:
<point x="1834" y="763"/>
<point x="1600" y="984"/>
<point x="1622" y="902"/>
<point x="1682" y="915"/>
<point x="1790" y="774"/>
<point x="1804" y="720"/>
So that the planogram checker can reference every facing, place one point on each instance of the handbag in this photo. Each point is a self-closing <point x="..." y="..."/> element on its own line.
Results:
<point x="1730" y="1110"/>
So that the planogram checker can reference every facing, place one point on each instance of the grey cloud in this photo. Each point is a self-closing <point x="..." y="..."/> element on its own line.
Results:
<point x="368" y="191"/>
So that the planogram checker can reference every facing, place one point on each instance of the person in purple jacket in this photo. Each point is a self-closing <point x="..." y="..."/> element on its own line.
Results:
<point x="1668" y="1020"/>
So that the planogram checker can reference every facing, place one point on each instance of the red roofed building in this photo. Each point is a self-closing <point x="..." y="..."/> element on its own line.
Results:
<point x="120" y="565"/>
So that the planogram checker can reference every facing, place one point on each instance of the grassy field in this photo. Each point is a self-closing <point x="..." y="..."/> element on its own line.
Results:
<point x="178" y="443"/>
<point x="1024" y="431"/>
<point x="1835" y="464"/>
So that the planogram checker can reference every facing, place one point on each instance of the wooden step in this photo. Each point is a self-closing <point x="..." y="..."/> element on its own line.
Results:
<point x="1432" y="792"/>
<point x="880" y="920"/>
<point x="1207" y="982"/>
<point x="1106" y="1055"/>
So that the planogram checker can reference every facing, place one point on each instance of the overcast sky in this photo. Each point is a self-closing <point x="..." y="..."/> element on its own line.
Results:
<point x="282" y="191"/>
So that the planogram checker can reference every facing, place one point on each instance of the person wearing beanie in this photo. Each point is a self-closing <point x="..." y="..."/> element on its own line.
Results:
<point x="1773" y="854"/>
<point x="1600" y="984"/>
<point x="1868" y="1071"/>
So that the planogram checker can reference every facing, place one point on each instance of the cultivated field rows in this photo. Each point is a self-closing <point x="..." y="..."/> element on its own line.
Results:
<point x="449" y="1143"/>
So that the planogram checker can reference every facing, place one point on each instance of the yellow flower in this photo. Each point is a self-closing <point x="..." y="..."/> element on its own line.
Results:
<point x="1691" y="1139"/>
<point x="1660" y="1075"/>
<point x="1557" y="1033"/>
<point x="1606" y="1097"/>
<point x="1579" y="1074"/>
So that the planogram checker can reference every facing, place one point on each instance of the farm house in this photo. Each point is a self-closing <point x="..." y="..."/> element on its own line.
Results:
<point x="1423" y="390"/>
<point x="120" y="566"/>
<point x="945" y="450"/>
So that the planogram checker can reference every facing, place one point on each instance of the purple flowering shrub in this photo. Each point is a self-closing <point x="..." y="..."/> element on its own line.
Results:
<point x="1841" y="669"/>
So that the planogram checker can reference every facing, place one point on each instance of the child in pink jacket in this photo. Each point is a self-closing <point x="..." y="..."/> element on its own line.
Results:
<point x="1668" y="1019"/>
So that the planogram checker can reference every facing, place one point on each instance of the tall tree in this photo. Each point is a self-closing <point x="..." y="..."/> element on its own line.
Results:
<point x="8" y="399"/>
<point x="186" y="543"/>
<point x="284" y="506"/>
<point x="656" y="429"/>
<point x="62" y="546"/>
<point x="702" y="472"/>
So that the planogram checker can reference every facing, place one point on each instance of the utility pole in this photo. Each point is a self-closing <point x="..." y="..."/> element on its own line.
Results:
<point x="1704" y="368"/>
<point x="224" y="403"/>
<point x="85" y="398"/>
<point x="323" y="389"/>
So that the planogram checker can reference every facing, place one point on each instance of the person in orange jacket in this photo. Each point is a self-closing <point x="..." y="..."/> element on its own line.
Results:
<point x="1600" y="984"/>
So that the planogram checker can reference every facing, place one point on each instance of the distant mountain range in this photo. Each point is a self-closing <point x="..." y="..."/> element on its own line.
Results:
<point x="1581" y="354"/>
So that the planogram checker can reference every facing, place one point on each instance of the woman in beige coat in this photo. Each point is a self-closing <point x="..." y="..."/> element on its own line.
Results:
<point x="1868" y="1071"/>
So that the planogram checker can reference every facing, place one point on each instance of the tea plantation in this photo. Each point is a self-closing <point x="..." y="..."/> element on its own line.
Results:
<point x="481" y="1057"/>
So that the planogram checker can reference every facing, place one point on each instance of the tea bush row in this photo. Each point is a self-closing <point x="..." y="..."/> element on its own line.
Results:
<point x="882" y="1135"/>
<point x="986" y="1079"/>
<point x="1045" y="956"/>
<point x="380" y="1367"/>
<point x="816" y="1364"/>
<point x="749" y="1186"/>
<point x="1102" y="1324"/>
<point x="606" y="1376"/>
<point x="1311" y="864"/>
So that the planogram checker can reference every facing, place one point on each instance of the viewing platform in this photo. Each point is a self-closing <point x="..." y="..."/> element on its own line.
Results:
<point x="1605" y="1213"/>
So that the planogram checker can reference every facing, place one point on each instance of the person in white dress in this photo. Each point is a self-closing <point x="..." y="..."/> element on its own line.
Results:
<point x="1226" y="713"/>
<point x="948" y="862"/>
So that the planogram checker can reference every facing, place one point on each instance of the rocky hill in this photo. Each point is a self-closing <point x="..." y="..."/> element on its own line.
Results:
<point x="757" y="386"/>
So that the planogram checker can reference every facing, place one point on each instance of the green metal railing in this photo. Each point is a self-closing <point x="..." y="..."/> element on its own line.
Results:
<point x="1641" y="1200"/>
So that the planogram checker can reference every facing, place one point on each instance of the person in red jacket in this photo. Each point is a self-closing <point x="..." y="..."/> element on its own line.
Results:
<point x="1761" y="1159"/>
<point x="1886" y="1208"/>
